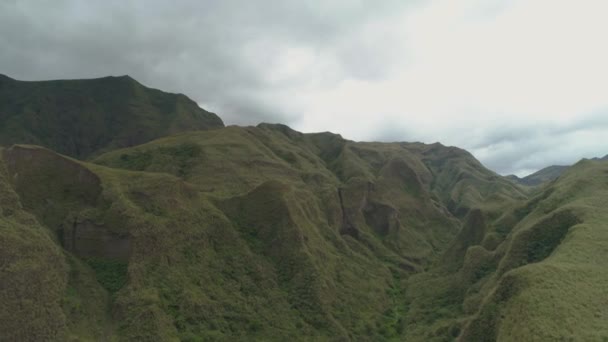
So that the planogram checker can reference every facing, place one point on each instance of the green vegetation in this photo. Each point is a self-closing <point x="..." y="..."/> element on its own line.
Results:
<point x="111" y="274"/>
<point x="82" y="118"/>
<point x="541" y="280"/>
<point x="264" y="233"/>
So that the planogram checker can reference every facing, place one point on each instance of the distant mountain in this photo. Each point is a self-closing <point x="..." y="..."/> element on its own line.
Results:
<point x="541" y="176"/>
<point x="547" y="174"/>
<point x="80" y="118"/>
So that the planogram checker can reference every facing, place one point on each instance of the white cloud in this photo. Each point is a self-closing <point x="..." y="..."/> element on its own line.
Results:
<point x="471" y="66"/>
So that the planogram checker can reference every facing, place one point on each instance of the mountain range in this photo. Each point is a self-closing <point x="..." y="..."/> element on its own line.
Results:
<point x="128" y="213"/>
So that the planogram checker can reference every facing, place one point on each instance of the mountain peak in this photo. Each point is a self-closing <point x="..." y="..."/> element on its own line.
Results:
<point x="122" y="77"/>
<point x="111" y="78"/>
<point x="601" y="159"/>
<point x="5" y="78"/>
<point x="107" y="112"/>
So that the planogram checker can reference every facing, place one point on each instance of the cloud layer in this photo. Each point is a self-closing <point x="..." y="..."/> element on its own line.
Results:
<point x="521" y="84"/>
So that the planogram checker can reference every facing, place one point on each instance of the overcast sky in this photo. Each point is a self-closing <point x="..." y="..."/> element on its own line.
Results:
<point x="521" y="84"/>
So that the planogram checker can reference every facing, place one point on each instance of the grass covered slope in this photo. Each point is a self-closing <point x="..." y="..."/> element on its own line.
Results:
<point x="342" y="224"/>
<point x="257" y="232"/>
<point x="171" y="282"/>
<point x="337" y="249"/>
<point x="33" y="273"/>
<point x="388" y="192"/>
<point x="537" y="272"/>
<point x="83" y="117"/>
<point x="553" y="280"/>
<point x="266" y="233"/>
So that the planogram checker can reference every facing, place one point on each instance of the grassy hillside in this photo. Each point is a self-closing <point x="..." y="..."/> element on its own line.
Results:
<point x="80" y="118"/>
<point x="552" y="278"/>
<point x="33" y="273"/>
<point x="533" y="274"/>
<point x="339" y="232"/>
<point x="261" y="232"/>
<point x="264" y="233"/>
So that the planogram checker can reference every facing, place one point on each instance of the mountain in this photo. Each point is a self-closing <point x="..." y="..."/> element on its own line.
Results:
<point x="81" y="118"/>
<point x="531" y="273"/>
<point x="255" y="231"/>
<point x="266" y="233"/>
<point x="545" y="175"/>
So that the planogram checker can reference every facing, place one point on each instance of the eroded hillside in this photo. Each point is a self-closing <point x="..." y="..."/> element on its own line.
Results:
<point x="258" y="231"/>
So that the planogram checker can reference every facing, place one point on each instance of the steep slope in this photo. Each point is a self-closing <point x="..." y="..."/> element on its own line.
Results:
<point x="43" y="288"/>
<point x="84" y="117"/>
<point x="261" y="232"/>
<point x="361" y="178"/>
<point x="323" y="209"/>
<point x="535" y="273"/>
<point x="32" y="273"/>
<point x="551" y="282"/>
<point x="145" y="251"/>
<point x="265" y="233"/>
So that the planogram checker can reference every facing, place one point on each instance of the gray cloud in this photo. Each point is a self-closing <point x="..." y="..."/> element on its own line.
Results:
<point x="217" y="52"/>
<point x="228" y="56"/>
<point x="523" y="148"/>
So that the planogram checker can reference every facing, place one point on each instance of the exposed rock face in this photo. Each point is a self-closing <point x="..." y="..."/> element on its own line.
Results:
<point x="347" y="227"/>
<point x="87" y="239"/>
<point x="471" y="234"/>
<point x="382" y="218"/>
<point x="43" y="177"/>
<point x="55" y="188"/>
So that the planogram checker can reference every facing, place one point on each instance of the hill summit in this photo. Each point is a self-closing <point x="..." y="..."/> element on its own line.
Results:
<point x="80" y="118"/>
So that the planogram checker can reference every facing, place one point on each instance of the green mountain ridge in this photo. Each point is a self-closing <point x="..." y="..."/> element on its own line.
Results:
<point x="81" y="118"/>
<point x="265" y="233"/>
